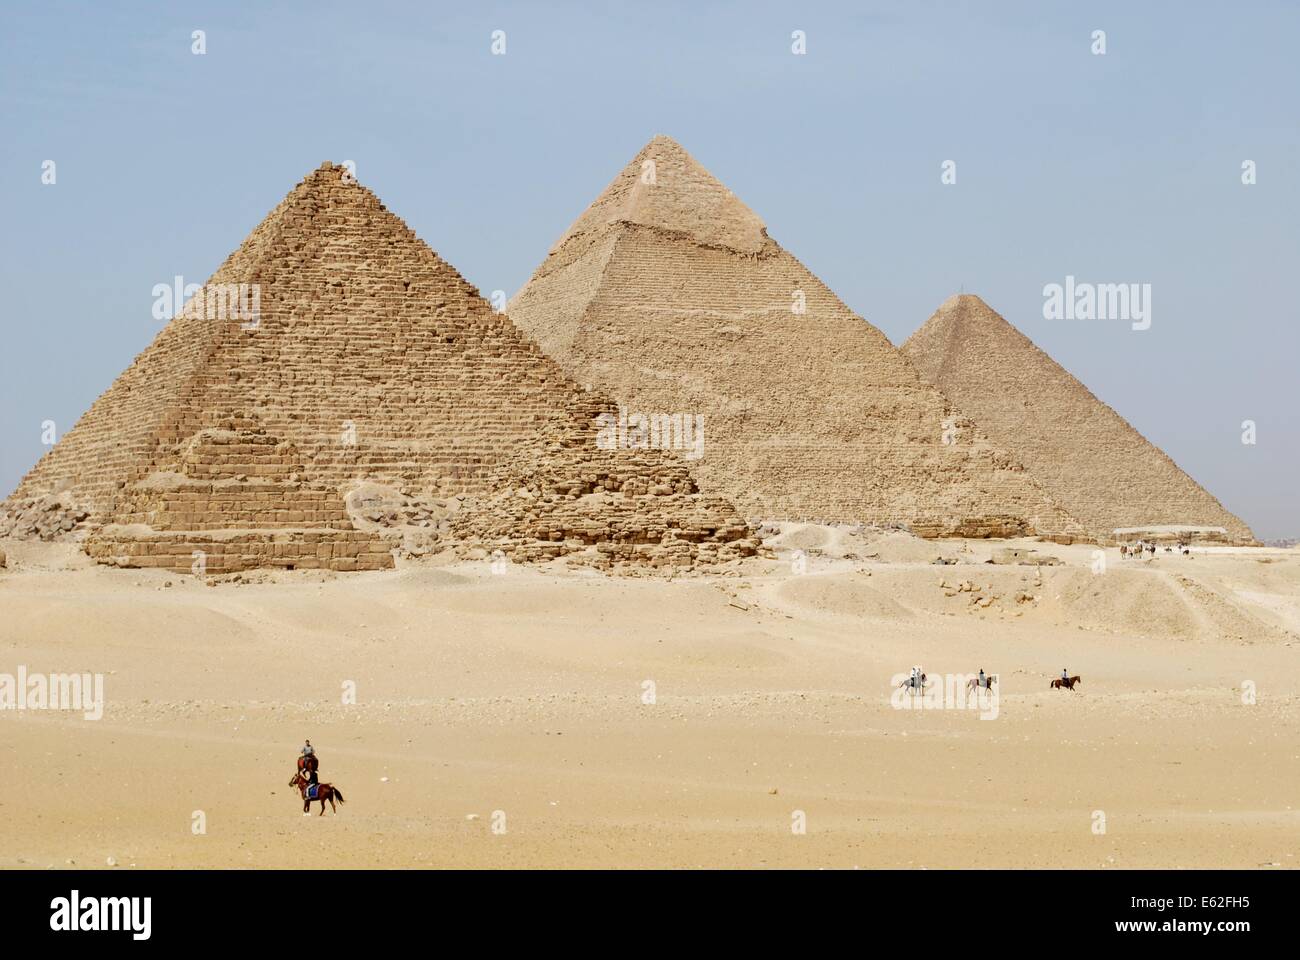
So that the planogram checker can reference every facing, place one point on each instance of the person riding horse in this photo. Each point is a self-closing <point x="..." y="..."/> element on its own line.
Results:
<point x="308" y="762"/>
<point x="916" y="681"/>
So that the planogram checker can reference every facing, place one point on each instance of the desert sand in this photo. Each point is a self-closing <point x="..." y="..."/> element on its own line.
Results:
<point x="522" y="693"/>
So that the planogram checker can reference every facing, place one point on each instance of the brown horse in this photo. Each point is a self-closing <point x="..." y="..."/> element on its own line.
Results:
<point x="973" y="683"/>
<point x="1058" y="683"/>
<point x="308" y="764"/>
<point x="325" y="791"/>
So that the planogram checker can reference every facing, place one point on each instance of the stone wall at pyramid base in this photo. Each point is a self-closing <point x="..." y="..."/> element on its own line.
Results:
<point x="966" y="528"/>
<point x="1167" y="534"/>
<point x="994" y="505"/>
<point x="236" y="551"/>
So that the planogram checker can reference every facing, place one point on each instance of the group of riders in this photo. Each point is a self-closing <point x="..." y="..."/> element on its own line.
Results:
<point x="308" y="762"/>
<point x="982" y="681"/>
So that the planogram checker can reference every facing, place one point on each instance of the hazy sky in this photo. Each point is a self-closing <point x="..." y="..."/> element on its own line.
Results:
<point x="1119" y="168"/>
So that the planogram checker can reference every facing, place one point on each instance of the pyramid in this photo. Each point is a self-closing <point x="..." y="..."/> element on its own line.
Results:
<point x="370" y="364"/>
<point x="1086" y="455"/>
<point x="668" y="294"/>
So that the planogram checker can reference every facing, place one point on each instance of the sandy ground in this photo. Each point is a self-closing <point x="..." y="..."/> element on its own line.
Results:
<point x="501" y="719"/>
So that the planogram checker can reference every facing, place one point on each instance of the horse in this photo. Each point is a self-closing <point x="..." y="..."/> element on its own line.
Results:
<point x="1060" y="682"/>
<point x="325" y="791"/>
<point x="308" y="764"/>
<point x="974" y="683"/>
<point x="920" y="685"/>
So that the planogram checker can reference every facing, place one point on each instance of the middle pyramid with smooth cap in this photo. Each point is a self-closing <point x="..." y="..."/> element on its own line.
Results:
<point x="668" y="294"/>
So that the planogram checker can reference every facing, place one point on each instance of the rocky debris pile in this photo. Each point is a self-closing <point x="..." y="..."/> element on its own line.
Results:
<point x="982" y="598"/>
<point x="50" y="517"/>
<point x="614" y="510"/>
<point x="615" y="532"/>
<point x="416" y="523"/>
<point x="379" y="507"/>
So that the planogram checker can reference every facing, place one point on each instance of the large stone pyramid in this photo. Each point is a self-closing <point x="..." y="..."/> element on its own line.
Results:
<point x="373" y="387"/>
<point x="1086" y="455"/>
<point x="668" y="294"/>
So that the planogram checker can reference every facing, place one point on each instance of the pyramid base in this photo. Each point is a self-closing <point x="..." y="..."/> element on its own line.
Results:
<point x="235" y="551"/>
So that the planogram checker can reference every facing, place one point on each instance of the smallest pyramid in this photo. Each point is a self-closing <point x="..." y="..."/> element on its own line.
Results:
<point x="1087" y="457"/>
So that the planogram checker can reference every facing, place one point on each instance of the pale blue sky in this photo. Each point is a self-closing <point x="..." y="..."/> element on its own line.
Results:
<point x="1117" y="168"/>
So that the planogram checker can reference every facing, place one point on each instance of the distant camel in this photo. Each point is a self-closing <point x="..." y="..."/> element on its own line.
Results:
<point x="1060" y="682"/>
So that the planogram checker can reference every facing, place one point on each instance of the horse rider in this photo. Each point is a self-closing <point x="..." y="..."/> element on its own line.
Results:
<point x="983" y="681"/>
<point x="309" y="754"/>
<point x="1065" y="676"/>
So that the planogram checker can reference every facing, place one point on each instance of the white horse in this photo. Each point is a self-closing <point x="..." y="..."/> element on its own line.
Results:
<point x="916" y="683"/>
